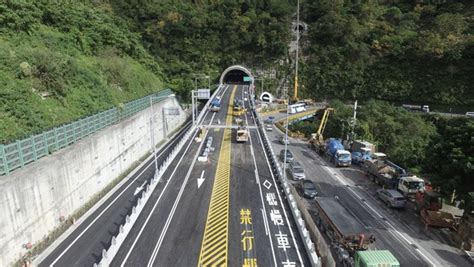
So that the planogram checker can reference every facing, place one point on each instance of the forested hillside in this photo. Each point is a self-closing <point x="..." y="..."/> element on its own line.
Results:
<point x="62" y="62"/>
<point x="205" y="37"/>
<point x="417" y="51"/>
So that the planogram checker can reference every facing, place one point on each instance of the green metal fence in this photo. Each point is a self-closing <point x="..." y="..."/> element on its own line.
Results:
<point x="22" y="152"/>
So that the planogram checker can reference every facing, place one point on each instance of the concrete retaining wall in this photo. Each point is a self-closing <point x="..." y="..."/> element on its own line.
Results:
<point x="34" y="199"/>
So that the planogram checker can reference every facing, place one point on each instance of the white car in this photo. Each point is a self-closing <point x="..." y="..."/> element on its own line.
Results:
<point x="269" y="127"/>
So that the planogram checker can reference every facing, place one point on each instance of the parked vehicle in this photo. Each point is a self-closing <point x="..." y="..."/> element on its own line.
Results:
<point x="297" y="108"/>
<point x="337" y="154"/>
<point x="361" y="151"/>
<point x="284" y="140"/>
<point x="317" y="140"/>
<point x="382" y="171"/>
<point x="309" y="189"/>
<point x="392" y="198"/>
<point x="289" y="156"/>
<point x="346" y="233"/>
<point x="409" y="185"/>
<point x="470" y="114"/>
<point x="296" y="171"/>
<point x="269" y="127"/>
<point x="375" y="258"/>
<point x="429" y="203"/>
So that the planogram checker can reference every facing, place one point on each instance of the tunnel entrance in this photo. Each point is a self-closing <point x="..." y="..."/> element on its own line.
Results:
<point x="237" y="75"/>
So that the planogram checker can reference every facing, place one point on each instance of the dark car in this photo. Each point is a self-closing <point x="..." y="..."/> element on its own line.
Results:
<point x="309" y="189"/>
<point x="289" y="156"/>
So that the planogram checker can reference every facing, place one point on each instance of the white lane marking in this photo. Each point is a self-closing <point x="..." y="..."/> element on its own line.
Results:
<point x="261" y="194"/>
<point x="159" y="198"/>
<point x="201" y="179"/>
<point x="279" y="197"/>
<point x="384" y="219"/>
<point x="265" y="223"/>
<point x="140" y="188"/>
<point x="111" y="203"/>
<point x="176" y="202"/>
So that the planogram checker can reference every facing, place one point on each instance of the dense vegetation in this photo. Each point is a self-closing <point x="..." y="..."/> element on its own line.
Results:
<point x="434" y="147"/>
<point x="61" y="62"/>
<point x="417" y="51"/>
<point x="205" y="37"/>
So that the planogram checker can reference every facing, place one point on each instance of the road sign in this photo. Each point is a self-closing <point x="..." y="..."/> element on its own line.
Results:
<point x="246" y="79"/>
<point x="203" y="93"/>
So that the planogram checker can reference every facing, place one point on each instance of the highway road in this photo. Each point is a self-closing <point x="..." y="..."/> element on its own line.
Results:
<point x="226" y="210"/>
<point x="400" y="231"/>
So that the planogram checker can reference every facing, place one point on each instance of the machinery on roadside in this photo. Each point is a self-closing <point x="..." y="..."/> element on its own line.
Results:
<point x="409" y="185"/>
<point x="375" y="258"/>
<point x="382" y="171"/>
<point x="337" y="154"/>
<point x="317" y="140"/>
<point x="429" y="203"/>
<point x="239" y="107"/>
<point x="361" y="151"/>
<point x="346" y="233"/>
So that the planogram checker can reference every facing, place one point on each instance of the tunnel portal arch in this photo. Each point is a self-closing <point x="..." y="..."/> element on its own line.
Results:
<point x="232" y="74"/>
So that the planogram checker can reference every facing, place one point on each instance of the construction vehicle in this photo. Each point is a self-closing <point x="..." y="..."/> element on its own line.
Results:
<point x="337" y="154"/>
<point x="344" y="231"/>
<point x="239" y="107"/>
<point x="409" y="185"/>
<point x="382" y="171"/>
<point x="361" y="151"/>
<point x="429" y="203"/>
<point x="465" y="231"/>
<point x="317" y="140"/>
<point x="375" y="258"/>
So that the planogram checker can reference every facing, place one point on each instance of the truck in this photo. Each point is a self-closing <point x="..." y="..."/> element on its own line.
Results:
<point x="345" y="232"/>
<point x="361" y="151"/>
<point x="242" y="135"/>
<point x="422" y="108"/>
<point x="215" y="105"/>
<point x="409" y="185"/>
<point x="382" y="171"/>
<point x="337" y="154"/>
<point x="375" y="258"/>
<point x="429" y="203"/>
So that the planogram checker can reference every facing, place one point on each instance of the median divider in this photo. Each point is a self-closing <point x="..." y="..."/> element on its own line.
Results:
<point x="300" y="223"/>
<point x="124" y="229"/>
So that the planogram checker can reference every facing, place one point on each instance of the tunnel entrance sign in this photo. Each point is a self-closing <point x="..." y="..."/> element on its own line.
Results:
<point x="246" y="79"/>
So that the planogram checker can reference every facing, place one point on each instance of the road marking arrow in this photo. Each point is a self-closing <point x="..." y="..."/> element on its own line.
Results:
<point x="201" y="179"/>
<point x="140" y="188"/>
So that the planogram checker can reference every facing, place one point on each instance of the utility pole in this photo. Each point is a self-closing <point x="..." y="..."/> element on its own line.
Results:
<point x="353" y="122"/>
<point x="295" y="93"/>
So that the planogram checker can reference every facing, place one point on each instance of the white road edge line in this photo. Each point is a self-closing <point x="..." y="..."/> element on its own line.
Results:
<point x="164" y="189"/>
<point x="176" y="202"/>
<point x="281" y="201"/>
<point x="110" y="204"/>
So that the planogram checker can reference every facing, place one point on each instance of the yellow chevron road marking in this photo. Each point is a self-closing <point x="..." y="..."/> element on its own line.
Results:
<point x="215" y="240"/>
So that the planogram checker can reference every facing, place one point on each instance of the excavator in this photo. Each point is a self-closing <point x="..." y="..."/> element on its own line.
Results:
<point x="429" y="204"/>
<point x="317" y="140"/>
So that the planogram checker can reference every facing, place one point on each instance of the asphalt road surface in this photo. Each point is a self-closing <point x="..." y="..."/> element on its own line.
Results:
<point x="225" y="210"/>
<point x="400" y="231"/>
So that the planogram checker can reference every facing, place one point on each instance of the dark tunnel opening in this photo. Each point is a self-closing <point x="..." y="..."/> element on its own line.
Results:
<point x="236" y="77"/>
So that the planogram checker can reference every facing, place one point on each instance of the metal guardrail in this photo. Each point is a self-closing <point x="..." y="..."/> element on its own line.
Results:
<point x="22" y="152"/>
